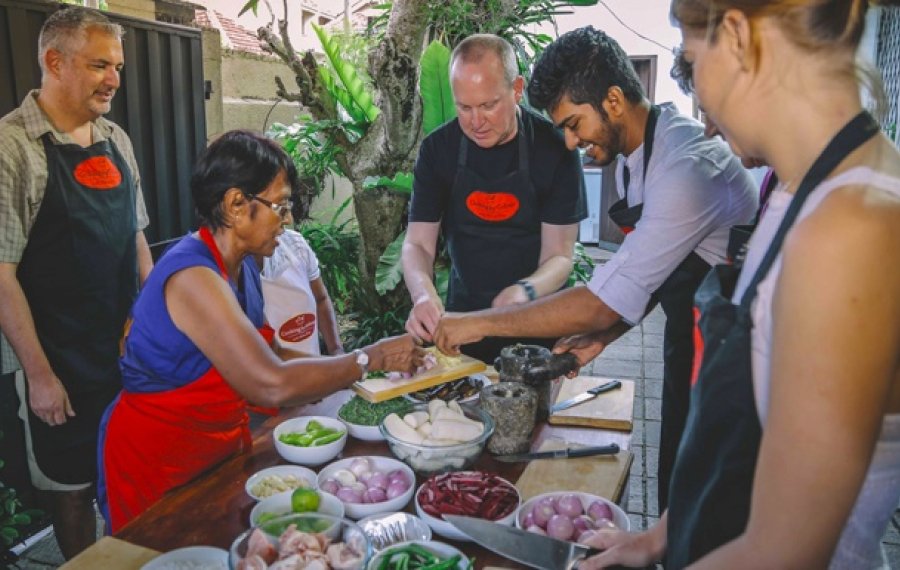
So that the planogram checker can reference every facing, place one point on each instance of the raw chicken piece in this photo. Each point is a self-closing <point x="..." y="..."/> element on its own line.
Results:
<point x="254" y="562"/>
<point x="259" y="545"/>
<point x="342" y="557"/>
<point x="293" y="541"/>
<point x="292" y="562"/>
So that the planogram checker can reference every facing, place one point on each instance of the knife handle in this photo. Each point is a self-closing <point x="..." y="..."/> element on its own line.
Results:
<point x="610" y="449"/>
<point x="605" y="387"/>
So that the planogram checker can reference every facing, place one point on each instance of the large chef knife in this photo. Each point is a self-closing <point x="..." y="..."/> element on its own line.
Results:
<point x="528" y="548"/>
<point x="585" y="396"/>
<point x="610" y="449"/>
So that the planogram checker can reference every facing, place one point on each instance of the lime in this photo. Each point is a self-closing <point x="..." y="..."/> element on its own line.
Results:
<point x="304" y="500"/>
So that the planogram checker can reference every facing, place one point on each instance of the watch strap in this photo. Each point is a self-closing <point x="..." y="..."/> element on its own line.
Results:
<point x="529" y="289"/>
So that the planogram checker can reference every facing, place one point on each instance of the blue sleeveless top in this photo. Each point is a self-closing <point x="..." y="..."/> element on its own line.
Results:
<point x="160" y="357"/>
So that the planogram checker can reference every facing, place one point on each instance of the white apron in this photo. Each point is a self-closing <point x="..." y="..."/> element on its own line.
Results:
<point x="290" y="305"/>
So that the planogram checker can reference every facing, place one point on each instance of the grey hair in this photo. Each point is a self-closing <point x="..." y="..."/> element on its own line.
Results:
<point x="65" y="26"/>
<point x="473" y="48"/>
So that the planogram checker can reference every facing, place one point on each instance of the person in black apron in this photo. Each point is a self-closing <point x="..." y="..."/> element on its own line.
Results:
<point x="631" y="283"/>
<point x="78" y="272"/>
<point x="511" y="177"/>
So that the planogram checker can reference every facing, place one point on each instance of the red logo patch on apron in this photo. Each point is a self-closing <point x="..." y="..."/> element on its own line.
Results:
<point x="298" y="328"/>
<point x="98" y="173"/>
<point x="492" y="207"/>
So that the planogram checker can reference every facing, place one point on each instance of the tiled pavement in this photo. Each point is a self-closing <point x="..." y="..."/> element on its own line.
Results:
<point x="636" y="356"/>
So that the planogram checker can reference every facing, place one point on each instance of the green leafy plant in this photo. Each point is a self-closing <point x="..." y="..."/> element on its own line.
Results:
<point x="311" y="144"/>
<point x="434" y="86"/>
<point x="12" y="516"/>
<point x="336" y="245"/>
<point x="345" y="84"/>
<point x="582" y="266"/>
<point x="371" y="325"/>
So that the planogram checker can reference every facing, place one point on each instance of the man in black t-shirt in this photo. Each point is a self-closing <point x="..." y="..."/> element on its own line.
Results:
<point x="501" y="186"/>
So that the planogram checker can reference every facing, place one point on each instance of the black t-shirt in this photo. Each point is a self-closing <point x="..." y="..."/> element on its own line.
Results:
<point x="555" y="171"/>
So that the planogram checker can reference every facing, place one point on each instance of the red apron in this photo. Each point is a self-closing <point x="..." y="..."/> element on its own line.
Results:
<point x="157" y="441"/>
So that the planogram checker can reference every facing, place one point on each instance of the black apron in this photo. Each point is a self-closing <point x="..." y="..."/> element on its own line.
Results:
<point x="739" y="235"/>
<point x="493" y="233"/>
<point x="79" y="275"/>
<point x="676" y="295"/>
<point x="712" y="482"/>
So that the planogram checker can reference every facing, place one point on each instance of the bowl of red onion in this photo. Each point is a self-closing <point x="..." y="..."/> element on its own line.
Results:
<point x="469" y="493"/>
<point x="570" y="515"/>
<point x="368" y="485"/>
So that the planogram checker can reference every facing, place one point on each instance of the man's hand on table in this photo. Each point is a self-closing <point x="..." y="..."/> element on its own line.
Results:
<point x="424" y="317"/>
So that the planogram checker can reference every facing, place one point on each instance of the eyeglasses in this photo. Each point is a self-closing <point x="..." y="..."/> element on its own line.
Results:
<point x="283" y="210"/>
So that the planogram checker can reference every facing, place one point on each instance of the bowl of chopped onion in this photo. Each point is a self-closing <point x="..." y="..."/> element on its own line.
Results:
<point x="278" y="479"/>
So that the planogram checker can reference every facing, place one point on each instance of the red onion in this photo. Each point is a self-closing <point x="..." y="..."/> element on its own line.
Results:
<point x="600" y="510"/>
<point x="569" y="505"/>
<point x="396" y="489"/>
<point x="374" y="495"/>
<point x="528" y="519"/>
<point x="560" y="527"/>
<point x="542" y="513"/>
<point x="349" y="495"/>
<point x="378" y="479"/>
<point x="360" y="466"/>
<point x="330" y="486"/>
<point x="536" y="530"/>
<point x="398" y="475"/>
<point x="583" y="523"/>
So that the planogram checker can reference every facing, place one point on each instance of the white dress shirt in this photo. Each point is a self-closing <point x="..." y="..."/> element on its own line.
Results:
<point x="695" y="189"/>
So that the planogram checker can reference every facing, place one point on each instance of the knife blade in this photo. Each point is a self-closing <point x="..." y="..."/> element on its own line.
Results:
<point x="585" y="396"/>
<point x="527" y="548"/>
<point x="610" y="449"/>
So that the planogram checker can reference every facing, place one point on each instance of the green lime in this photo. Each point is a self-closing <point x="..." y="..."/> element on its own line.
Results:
<point x="304" y="500"/>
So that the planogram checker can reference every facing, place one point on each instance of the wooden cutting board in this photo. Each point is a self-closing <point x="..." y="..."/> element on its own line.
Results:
<point x="381" y="389"/>
<point x="603" y="475"/>
<point x="610" y="410"/>
<point x="111" y="552"/>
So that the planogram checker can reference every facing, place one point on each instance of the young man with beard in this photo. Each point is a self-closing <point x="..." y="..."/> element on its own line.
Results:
<point x="680" y="193"/>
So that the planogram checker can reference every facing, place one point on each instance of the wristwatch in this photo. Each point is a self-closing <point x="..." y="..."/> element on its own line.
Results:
<point x="529" y="289"/>
<point x="362" y="360"/>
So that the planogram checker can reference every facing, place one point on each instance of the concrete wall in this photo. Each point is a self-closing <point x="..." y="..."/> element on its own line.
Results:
<point x="145" y="9"/>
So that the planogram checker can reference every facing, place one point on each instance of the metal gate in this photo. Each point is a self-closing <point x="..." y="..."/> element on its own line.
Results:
<point x="888" y="61"/>
<point x="159" y="104"/>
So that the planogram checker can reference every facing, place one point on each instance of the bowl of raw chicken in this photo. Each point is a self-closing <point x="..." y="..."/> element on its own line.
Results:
<point x="300" y="540"/>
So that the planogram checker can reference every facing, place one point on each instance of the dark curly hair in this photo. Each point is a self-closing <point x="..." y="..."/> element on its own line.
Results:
<point x="238" y="159"/>
<point x="582" y="64"/>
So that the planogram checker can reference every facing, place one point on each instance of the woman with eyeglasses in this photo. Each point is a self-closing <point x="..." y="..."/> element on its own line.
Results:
<point x="791" y="454"/>
<point x="199" y="348"/>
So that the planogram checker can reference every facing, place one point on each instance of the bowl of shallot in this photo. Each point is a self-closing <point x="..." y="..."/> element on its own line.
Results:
<point x="368" y="485"/>
<point x="570" y="515"/>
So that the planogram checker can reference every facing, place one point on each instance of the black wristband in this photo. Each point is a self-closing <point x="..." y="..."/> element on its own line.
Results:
<point x="529" y="289"/>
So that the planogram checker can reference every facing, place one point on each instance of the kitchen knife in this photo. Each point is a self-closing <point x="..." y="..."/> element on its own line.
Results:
<point x="585" y="396"/>
<point x="528" y="548"/>
<point x="610" y="449"/>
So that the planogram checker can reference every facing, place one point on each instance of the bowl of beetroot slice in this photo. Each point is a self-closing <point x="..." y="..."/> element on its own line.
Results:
<point x="469" y="493"/>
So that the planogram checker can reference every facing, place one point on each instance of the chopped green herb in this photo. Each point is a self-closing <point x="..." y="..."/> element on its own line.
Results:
<point x="360" y="412"/>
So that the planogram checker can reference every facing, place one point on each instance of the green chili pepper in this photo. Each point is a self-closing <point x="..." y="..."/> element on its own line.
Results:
<point x="445" y="565"/>
<point x="314" y="425"/>
<point x="322" y="440"/>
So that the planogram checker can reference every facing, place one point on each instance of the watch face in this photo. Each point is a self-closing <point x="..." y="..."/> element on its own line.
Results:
<point x="362" y="358"/>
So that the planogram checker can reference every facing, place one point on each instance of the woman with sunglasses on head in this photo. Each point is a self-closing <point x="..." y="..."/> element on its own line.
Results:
<point x="199" y="348"/>
<point x="791" y="455"/>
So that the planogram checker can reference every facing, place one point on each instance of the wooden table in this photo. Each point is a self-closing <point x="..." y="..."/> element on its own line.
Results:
<point x="214" y="509"/>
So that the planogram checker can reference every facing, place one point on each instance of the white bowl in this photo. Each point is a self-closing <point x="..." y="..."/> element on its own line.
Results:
<point x="309" y="455"/>
<point x="357" y="511"/>
<point x="206" y="556"/>
<point x="301" y="473"/>
<point x="280" y="504"/>
<point x="447" y="530"/>
<point x="441" y="549"/>
<point x="387" y="529"/>
<point x="620" y="519"/>
<point x="365" y="433"/>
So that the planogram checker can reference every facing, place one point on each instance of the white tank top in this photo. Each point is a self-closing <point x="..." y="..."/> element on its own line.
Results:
<point x="860" y="544"/>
